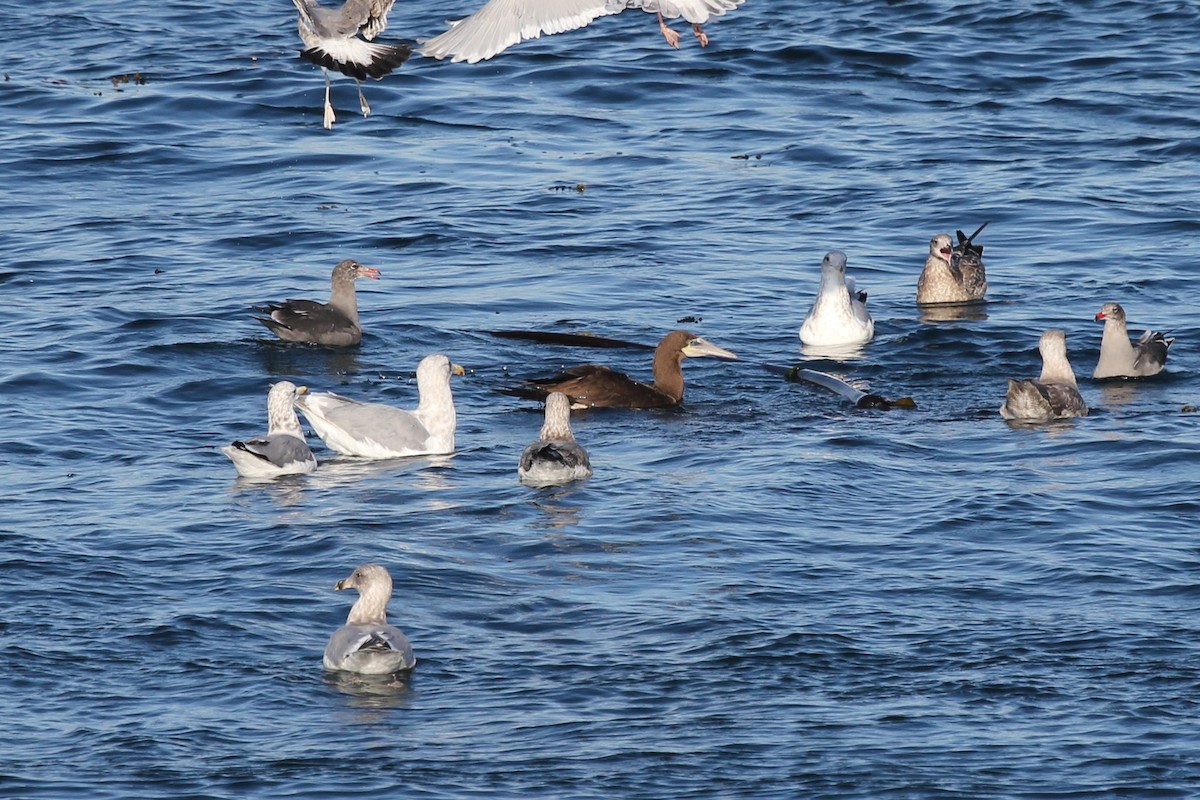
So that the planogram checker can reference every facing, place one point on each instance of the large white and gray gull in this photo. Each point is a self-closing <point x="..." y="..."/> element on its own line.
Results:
<point x="555" y="458"/>
<point x="341" y="38"/>
<point x="367" y="644"/>
<point x="839" y="314"/>
<point x="1054" y="395"/>
<point x="1121" y="358"/>
<point x="334" y="324"/>
<point x="375" y="430"/>
<point x="283" y="450"/>
<point x="953" y="274"/>
<point x="500" y="24"/>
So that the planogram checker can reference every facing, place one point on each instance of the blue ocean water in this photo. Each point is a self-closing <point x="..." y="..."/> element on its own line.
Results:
<point x="764" y="593"/>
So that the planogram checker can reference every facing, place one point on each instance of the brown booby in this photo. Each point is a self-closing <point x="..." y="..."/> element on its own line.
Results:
<point x="596" y="386"/>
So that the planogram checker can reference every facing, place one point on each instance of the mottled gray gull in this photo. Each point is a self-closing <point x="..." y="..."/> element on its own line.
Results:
<point x="283" y="450"/>
<point x="499" y="24"/>
<point x="953" y="273"/>
<point x="1121" y="358"/>
<point x="555" y="458"/>
<point x="374" y="430"/>
<point x="332" y="40"/>
<point x="334" y="324"/>
<point x="839" y="314"/>
<point x="598" y="386"/>
<point x="367" y="644"/>
<point x="1054" y="395"/>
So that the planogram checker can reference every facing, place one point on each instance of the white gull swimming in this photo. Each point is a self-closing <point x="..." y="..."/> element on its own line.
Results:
<point x="282" y="451"/>
<point x="839" y="314"/>
<point x="375" y="430"/>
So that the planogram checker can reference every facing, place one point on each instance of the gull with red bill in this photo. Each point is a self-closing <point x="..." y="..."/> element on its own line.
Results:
<point x="333" y="324"/>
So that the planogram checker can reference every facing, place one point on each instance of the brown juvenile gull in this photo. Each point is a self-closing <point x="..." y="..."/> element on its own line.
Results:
<point x="499" y="24"/>
<point x="1120" y="358"/>
<point x="556" y="457"/>
<point x="375" y="430"/>
<point x="596" y="386"/>
<point x="366" y="643"/>
<point x="332" y="40"/>
<point x="1054" y="395"/>
<point x="334" y="324"/>
<point x="283" y="450"/>
<point x="953" y="274"/>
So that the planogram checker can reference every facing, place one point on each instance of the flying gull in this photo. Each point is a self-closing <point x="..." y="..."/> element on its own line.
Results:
<point x="341" y="39"/>
<point x="499" y="24"/>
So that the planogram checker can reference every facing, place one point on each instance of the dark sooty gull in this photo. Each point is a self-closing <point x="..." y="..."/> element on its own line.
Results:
<point x="596" y="386"/>
<point x="367" y="644"/>
<point x="1120" y="358"/>
<point x="375" y="430"/>
<point x="555" y="458"/>
<point x="1054" y="395"/>
<point x="333" y="324"/>
<point x="499" y="24"/>
<point x="332" y="40"/>
<point x="283" y="450"/>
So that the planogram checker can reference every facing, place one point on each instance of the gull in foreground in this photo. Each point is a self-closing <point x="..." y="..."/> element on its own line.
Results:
<point x="500" y="24"/>
<point x="556" y="457"/>
<point x="341" y="39"/>
<point x="375" y="430"/>
<point x="283" y="450"/>
<point x="366" y="643"/>
<point x="1054" y="395"/>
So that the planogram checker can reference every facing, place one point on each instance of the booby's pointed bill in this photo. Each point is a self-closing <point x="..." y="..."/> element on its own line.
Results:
<point x="839" y="387"/>
<point x="570" y="339"/>
<point x="699" y="346"/>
